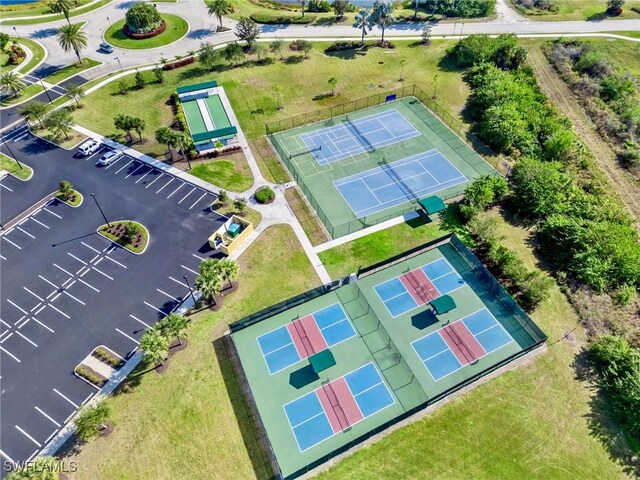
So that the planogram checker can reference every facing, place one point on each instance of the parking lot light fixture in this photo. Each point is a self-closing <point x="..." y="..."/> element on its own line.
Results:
<point x="6" y="144"/>
<point x="119" y="64"/>
<point x="99" y="208"/>
<point x="190" y="291"/>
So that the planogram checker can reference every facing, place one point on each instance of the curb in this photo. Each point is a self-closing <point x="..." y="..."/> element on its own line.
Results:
<point x="28" y="212"/>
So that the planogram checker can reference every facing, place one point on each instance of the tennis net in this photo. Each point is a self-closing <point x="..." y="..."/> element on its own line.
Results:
<point x="305" y="151"/>
<point x="419" y="288"/>
<point x="304" y="338"/>
<point x="463" y="347"/>
<point x="336" y="406"/>
<point x="384" y="165"/>
<point x="360" y="136"/>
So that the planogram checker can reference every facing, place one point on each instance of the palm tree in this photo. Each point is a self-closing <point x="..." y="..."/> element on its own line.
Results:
<point x="76" y="93"/>
<point x="364" y="21"/>
<point x="174" y="326"/>
<point x="228" y="270"/>
<point x="209" y="266"/>
<point x="71" y="37"/>
<point x="181" y="142"/>
<point x="276" y="47"/>
<point x="165" y="136"/>
<point x="12" y="82"/>
<point x="59" y="122"/>
<point x="91" y="420"/>
<point x="34" y="110"/>
<point x="219" y="8"/>
<point x="209" y="284"/>
<point x="139" y="125"/>
<point x="155" y="345"/>
<point x="383" y="16"/>
<point x="63" y="7"/>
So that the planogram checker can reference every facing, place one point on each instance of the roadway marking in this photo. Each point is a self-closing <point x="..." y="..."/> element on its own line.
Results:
<point x="171" y="194"/>
<point x="198" y="256"/>
<point x="178" y="281"/>
<point x="38" y="221"/>
<point x="155" y="180"/>
<point x="194" y="203"/>
<point x="113" y="163"/>
<point x="141" y="165"/>
<point x="4" y="186"/>
<point x="28" y="339"/>
<point x="59" y="311"/>
<point x="4" y="237"/>
<point x="186" y="195"/>
<point x="36" y="320"/>
<point x="28" y="436"/>
<point x="25" y="232"/>
<point x="58" y="266"/>
<point x="162" y="188"/>
<point x="9" y="353"/>
<point x="138" y="320"/>
<point x="115" y="261"/>
<point x="66" y="398"/>
<point x="130" y="338"/>
<point x="7" y="337"/>
<point x="15" y="305"/>
<point x="24" y="323"/>
<point x="47" y="416"/>
<point x="7" y="457"/>
<point x="80" y="260"/>
<point x="96" y="153"/>
<point x="39" y="298"/>
<point x="50" y="283"/>
<point x="51" y="436"/>
<point x="89" y="246"/>
<point x="88" y="285"/>
<point x="170" y="296"/>
<point x="121" y="168"/>
<point x="152" y="170"/>
<point x="52" y="213"/>
<point x="155" y="308"/>
<point x="5" y="323"/>
<point x="42" y="307"/>
<point x="101" y="272"/>
<point x="77" y="300"/>
<point x="187" y="268"/>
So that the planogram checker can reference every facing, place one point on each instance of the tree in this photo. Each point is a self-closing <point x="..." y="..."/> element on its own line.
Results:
<point x="276" y="47"/>
<point x="34" y="111"/>
<point x="228" y="270"/>
<point x="91" y="420"/>
<point x="209" y="266"/>
<point x="233" y="53"/>
<point x="180" y="142"/>
<point x="209" y="284"/>
<point x="4" y="39"/>
<point x="364" y="21"/>
<point x="63" y="7"/>
<point x="207" y="56"/>
<point x="383" y="15"/>
<point x="425" y="34"/>
<point x="223" y="197"/>
<point x="333" y="81"/>
<point x="219" y="8"/>
<point x="159" y="74"/>
<point x="247" y="30"/>
<point x="43" y="468"/>
<point x="276" y="88"/>
<point x="71" y="37"/>
<point x="154" y="345"/>
<point x="306" y="46"/>
<point x="122" y="87"/>
<point x="138" y="124"/>
<point x="130" y="231"/>
<point x="139" y="79"/>
<point x="303" y="3"/>
<point x="166" y="136"/>
<point x="174" y="326"/>
<point x="339" y="8"/>
<point x="125" y="123"/>
<point x="59" y="122"/>
<point x="65" y="189"/>
<point x="260" y="49"/>
<point x="76" y="93"/>
<point x="143" y="17"/>
<point x="614" y="5"/>
<point x="240" y="203"/>
<point x="11" y="82"/>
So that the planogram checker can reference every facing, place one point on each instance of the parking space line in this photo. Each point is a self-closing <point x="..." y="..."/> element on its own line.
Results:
<point x="47" y="416"/>
<point x="187" y="268"/>
<point x="155" y="308"/>
<point x="28" y="436"/>
<point x="59" y="311"/>
<point x="89" y="285"/>
<point x="25" y="232"/>
<point x="39" y="303"/>
<point x="186" y="195"/>
<point x="76" y="299"/>
<point x="115" y="261"/>
<point x="155" y="180"/>
<point x="138" y="320"/>
<point x="27" y="339"/>
<point x="52" y="213"/>
<point x="24" y="323"/>
<point x="170" y="296"/>
<point x="39" y="298"/>
<point x="38" y="221"/>
<point x="101" y="272"/>
<point x="58" y="266"/>
<point x="162" y="188"/>
<point x="138" y="168"/>
<point x="3" y="258"/>
<point x="113" y="163"/>
<point x="4" y="237"/>
<point x="89" y="246"/>
<point x="198" y="256"/>
<point x="194" y="203"/>
<point x="94" y="154"/>
<point x="130" y="338"/>
<point x="7" y="457"/>
<point x="41" y="308"/>
<point x="3" y="333"/>
<point x="150" y="171"/>
<point x="51" y="436"/>
<point x="66" y="398"/>
<point x="50" y="283"/>
<point x="5" y="323"/>
<point x="4" y="186"/>
<point x="81" y="261"/>
<point x="15" y="305"/>
<point x="7" y="337"/>
<point x="10" y="354"/>
<point x="121" y="168"/>
<point x="38" y="321"/>
<point x="172" y="193"/>
<point x="178" y="281"/>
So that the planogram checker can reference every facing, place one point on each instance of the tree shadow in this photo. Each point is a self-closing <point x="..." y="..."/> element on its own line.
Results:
<point x="293" y="59"/>
<point x="598" y="17"/>
<point x="44" y="33"/>
<point x="349" y="54"/>
<point x="126" y="5"/>
<point x="448" y="64"/>
<point x="200" y="33"/>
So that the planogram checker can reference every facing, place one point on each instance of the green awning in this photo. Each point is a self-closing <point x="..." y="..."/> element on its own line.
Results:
<point x="197" y="86"/>
<point x="220" y="133"/>
<point x="432" y="204"/>
<point x="443" y="304"/>
<point x="322" y="360"/>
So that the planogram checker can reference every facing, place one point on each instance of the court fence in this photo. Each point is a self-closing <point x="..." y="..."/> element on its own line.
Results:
<point x="460" y="141"/>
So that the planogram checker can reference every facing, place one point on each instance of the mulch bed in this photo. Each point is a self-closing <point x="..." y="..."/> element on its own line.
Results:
<point x="109" y="426"/>
<point x="118" y="231"/>
<point x="175" y="346"/>
<point x="140" y="36"/>
<point x="161" y="368"/>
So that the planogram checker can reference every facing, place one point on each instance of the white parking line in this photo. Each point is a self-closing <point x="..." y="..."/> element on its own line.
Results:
<point x="15" y="305"/>
<point x="134" y="171"/>
<point x="187" y="268"/>
<point x="80" y="260"/>
<point x="89" y="246"/>
<point x="155" y="308"/>
<point x="4" y="237"/>
<point x="162" y="188"/>
<point x="27" y="339"/>
<point x="101" y="272"/>
<point x="39" y="303"/>
<point x="7" y="457"/>
<point x="59" y="311"/>
<point x="94" y="154"/>
<point x="38" y="321"/>
<point x="52" y="213"/>
<point x="130" y="338"/>
<point x="121" y="168"/>
<point x="171" y="194"/>
<point x="115" y="261"/>
<point x="58" y="266"/>
<point x="4" y="186"/>
<point x="48" y="417"/>
<point x="5" y="323"/>
<point x="25" y="232"/>
<point x="28" y="436"/>
<point x="66" y="398"/>
<point x="24" y="135"/>
<point x="6" y="338"/>
<point x="76" y="299"/>
<point x="198" y="256"/>
<point x="3" y="258"/>
<point x="170" y="296"/>
<point x="39" y="222"/>
<point x="155" y="180"/>
<point x="186" y="195"/>
<point x="50" y="283"/>
<point x="51" y="436"/>
<point x="88" y="285"/>
<point x="178" y="281"/>
<point x="138" y="320"/>
<point x="113" y="163"/>
<point x="39" y="298"/>
<point x="150" y="171"/>
<point x="42" y="307"/>
<point x="194" y="203"/>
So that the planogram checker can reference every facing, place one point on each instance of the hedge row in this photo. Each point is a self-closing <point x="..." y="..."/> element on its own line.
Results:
<point x="140" y="36"/>
<point x="179" y="63"/>
<point x="268" y="19"/>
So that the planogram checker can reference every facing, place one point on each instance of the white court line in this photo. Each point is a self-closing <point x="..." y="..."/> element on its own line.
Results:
<point x="76" y="299"/>
<point x="141" y="165"/>
<point x="155" y="308"/>
<point x="156" y="179"/>
<point x="39" y="298"/>
<point x="115" y="261"/>
<point x="124" y="166"/>
<point x="66" y="398"/>
<point x="15" y="305"/>
<point x="38" y="321"/>
<point x="4" y="186"/>
<point x="88" y="285"/>
<point x="152" y="170"/>
<point x="25" y="232"/>
<point x="52" y="213"/>
<point x="7" y="457"/>
<point x="194" y="203"/>
<point x="186" y="195"/>
<point x="171" y="194"/>
<point x="27" y="339"/>
<point x="89" y="246"/>
<point x="4" y="237"/>
<point x="162" y="188"/>
<point x="101" y="272"/>
<point x="177" y="281"/>
<point x="38" y="221"/>
<point x="138" y="320"/>
<point x="47" y="416"/>
<point x="58" y="266"/>
<point x="187" y="268"/>
<point x="78" y="259"/>
<point x="170" y="296"/>
<point x="28" y="436"/>
<point x="59" y="311"/>
<point x="10" y="354"/>
<point x="130" y="338"/>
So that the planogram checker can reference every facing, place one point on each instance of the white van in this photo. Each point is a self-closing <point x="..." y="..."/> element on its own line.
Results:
<point x="89" y="147"/>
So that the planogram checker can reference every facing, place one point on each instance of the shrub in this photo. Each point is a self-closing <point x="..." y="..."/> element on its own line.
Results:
<point x="90" y="376"/>
<point x="108" y="358"/>
<point x="341" y="46"/>
<point x="318" y="6"/>
<point x="142" y="17"/>
<point x="178" y="63"/>
<point x="4" y="39"/>
<point x="122" y="87"/>
<point x="65" y="189"/>
<point x="629" y="157"/>
<point x="503" y="51"/>
<point x="483" y="193"/>
<point x="90" y="419"/>
<point x="625" y="295"/>
<point x="270" y="19"/>
<point x="264" y="194"/>
<point x="616" y="87"/>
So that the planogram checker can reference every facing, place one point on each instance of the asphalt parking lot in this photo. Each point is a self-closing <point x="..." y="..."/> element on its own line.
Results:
<point x="66" y="289"/>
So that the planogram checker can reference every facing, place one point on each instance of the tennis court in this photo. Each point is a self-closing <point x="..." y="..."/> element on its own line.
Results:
<point x="461" y="343"/>
<point x="419" y="286"/>
<point x="337" y="405"/>
<point x="301" y="338"/>
<point x="392" y="184"/>
<point x="354" y="137"/>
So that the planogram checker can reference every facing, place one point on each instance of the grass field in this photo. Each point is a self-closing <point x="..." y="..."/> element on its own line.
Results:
<point x="30" y="91"/>
<point x="71" y="70"/>
<point x="580" y="10"/>
<point x="36" y="49"/>
<point x="8" y="164"/>
<point x="69" y="143"/>
<point x="183" y="423"/>
<point x="11" y="17"/>
<point x="249" y="87"/>
<point x="177" y="27"/>
<point x="233" y="175"/>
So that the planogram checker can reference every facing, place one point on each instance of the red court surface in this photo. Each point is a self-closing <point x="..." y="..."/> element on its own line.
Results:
<point x="306" y="336"/>
<point x="462" y="343"/>
<point x="339" y="405"/>
<point x="419" y="286"/>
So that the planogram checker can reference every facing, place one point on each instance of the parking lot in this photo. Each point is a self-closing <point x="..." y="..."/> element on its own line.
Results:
<point x="66" y="289"/>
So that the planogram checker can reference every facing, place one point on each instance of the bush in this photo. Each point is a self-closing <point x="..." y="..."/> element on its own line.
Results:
<point x="318" y="6"/>
<point x="269" y="19"/>
<point x="179" y="63"/>
<point x="629" y="157"/>
<point x="466" y="8"/>
<point x="483" y="193"/>
<point x="108" y="358"/>
<point x="4" y="39"/>
<point x="264" y="194"/>
<point x="503" y="51"/>
<point x="341" y="46"/>
<point x="90" y="419"/>
<point x="142" y="17"/>
<point x="88" y="375"/>
<point x="625" y="295"/>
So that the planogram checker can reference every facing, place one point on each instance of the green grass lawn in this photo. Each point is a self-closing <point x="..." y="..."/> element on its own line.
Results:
<point x="580" y="10"/>
<point x="233" y="175"/>
<point x="177" y="27"/>
<point x="36" y="49"/>
<point x="71" y="70"/>
<point x="74" y="138"/>
<point x="12" y="17"/>
<point x="74" y="201"/>
<point x="8" y="164"/>
<point x="30" y="91"/>
<point x="373" y="72"/>
<point x="183" y="423"/>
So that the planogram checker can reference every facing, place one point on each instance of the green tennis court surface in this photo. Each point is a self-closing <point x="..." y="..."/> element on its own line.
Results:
<point x="375" y="164"/>
<point x="344" y="362"/>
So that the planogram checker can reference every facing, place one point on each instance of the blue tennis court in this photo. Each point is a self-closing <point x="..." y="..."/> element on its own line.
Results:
<point x="297" y="340"/>
<point x="404" y="180"/>
<point x="458" y="344"/>
<point x="337" y="405"/>
<point x="356" y="136"/>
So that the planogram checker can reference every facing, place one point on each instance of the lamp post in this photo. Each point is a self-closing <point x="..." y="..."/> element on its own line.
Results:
<point x="109" y="22"/>
<point x="99" y="208"/>
<point x="16" y="32"/>
<point x="6" y="144"/>
<point x="190" y="291"/>
<point x="46" y="91"/>
<point x="119" y="64"/>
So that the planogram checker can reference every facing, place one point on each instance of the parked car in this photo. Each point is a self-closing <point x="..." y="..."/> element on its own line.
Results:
<point x="109" y="157"/>
<point x="89" y="147"/>
<point x="106" y="48"/>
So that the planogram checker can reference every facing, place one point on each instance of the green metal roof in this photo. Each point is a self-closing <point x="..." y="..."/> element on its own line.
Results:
<point x="433" y="204"/>
<point x="197" y="86"/>
<point x="443" y="304"/>
<point x="221" y="132"/>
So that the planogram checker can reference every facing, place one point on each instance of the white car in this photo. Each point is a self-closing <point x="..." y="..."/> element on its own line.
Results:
<point x="109" y="157"/>
<point x="89" y="147"/>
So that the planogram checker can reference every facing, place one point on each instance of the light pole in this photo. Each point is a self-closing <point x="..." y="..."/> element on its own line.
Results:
<point x="190" y="291"/>
<point x="6" y="144"/>
<point x="119" y="64"/>
<point x="16" y="31"/>
<point x="103" y="215"/>
<point x="109" y="22"/>
<point x="46" y="91"/>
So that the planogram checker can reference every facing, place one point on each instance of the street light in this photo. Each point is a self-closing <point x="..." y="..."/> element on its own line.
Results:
<point x="190" y="291"/>
<point x="45" y="90"/>
<point x="6" y="143"/>
<point x="109" y="22"/>
<point x="119" y="64"/>
<point x="16" y="31"/>
<point x="103" y="215"/>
